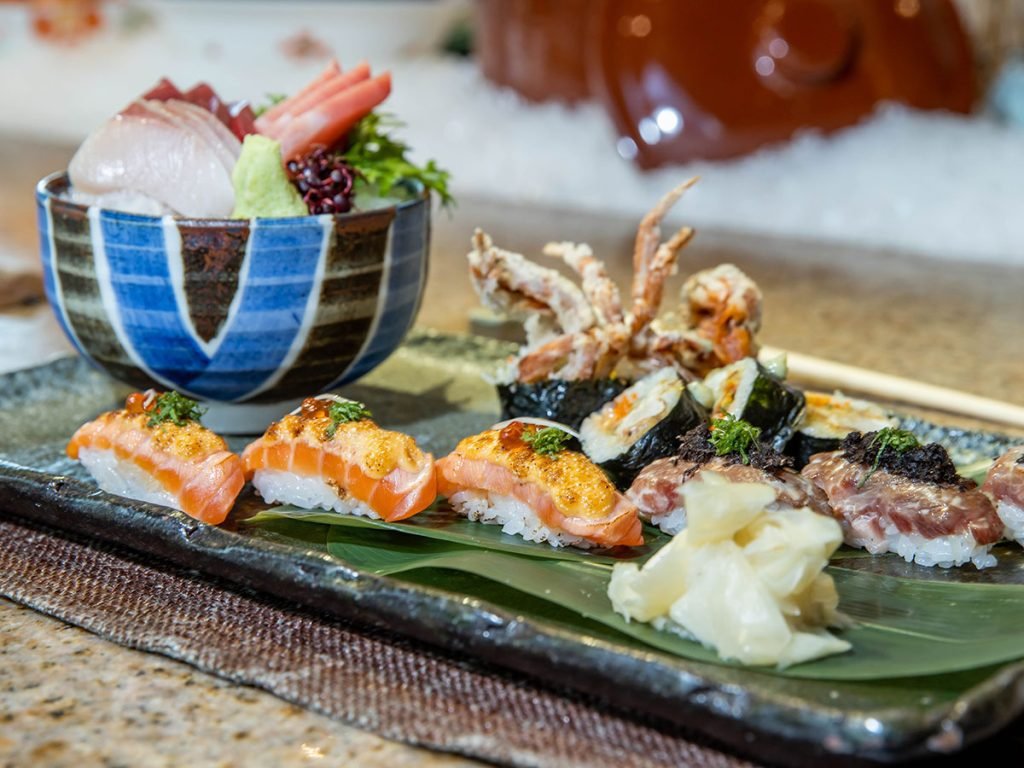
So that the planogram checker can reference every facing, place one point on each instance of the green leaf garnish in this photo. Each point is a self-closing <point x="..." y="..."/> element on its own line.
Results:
<point x="900" y="440"/>
<point x="175" y="408"/>
<point x="731" y="435"/>
<point x="344" y="412"/>
<point x="381" y="160"/>
<point x="272" y="100"/>
<point x="549" y="441"/>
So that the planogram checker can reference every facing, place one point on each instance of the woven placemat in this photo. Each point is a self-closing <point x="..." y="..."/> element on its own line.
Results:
<point x="364" y="677"/>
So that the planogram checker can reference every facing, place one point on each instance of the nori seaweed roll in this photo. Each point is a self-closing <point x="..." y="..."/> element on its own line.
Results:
<point x="566" y="402"/>
<point x="640" y="425"/>
<point x="747" y="390"/>
<point x="827" y="419"/>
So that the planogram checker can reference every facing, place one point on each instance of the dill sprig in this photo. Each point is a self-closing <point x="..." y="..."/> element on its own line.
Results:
<point x="730" y="435"/>
<point x="900" y="440"/>
<point x="175" y="408"/>
<point x="381" y="160"/>
<point x="549" y="441"/>
<point x="345" y="411"/>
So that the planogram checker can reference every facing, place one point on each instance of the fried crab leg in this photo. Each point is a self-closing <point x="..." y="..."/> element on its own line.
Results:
<point x="508" y="282"/>
<point x="600" y="290"/>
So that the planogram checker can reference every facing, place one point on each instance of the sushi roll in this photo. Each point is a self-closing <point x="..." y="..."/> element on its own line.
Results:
<point x="565" y="402"/>
<point x="156" y="450"/>
<point x="892" y="494"/>
<point x="640" y="425"/>
<point x="731" y="451"/>
<point x="749" y="391"/>
<point x="827" y="419"/>
<point x="522" y="478"/>
<point x="328" y="454"/>
<point x="1004" y="484"/>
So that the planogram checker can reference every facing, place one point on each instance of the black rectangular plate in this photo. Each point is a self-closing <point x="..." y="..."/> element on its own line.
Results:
<point x="433" y="389"/>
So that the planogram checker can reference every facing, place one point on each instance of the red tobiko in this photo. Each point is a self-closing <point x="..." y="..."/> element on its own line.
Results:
<point x="324" y="180"/>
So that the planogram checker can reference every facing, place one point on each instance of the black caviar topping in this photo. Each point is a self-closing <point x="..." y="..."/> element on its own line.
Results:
<point x="1020" y="459"/>
<point x="925" y="463"/>
<point x="696" y="446"/>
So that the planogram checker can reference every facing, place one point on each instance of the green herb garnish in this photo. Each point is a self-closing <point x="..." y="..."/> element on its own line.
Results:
<point x="345" y="411"/>
<point x="175" y="408"/>
<point x="900" y="440"/>
<point x="272" y="100"/>
<point x="731" y="435"/>
<point x="549" y="441"/>
<point x="381" y="160"/>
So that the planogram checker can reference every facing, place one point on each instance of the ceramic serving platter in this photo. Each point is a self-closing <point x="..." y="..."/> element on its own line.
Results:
<point x="433" y="389"/>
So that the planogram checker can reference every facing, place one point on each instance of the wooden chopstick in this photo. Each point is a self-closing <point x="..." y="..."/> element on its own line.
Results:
<point x="828" y="375"/>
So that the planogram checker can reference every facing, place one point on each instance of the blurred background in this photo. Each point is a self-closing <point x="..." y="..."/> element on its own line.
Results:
<point x="887" y="124"/>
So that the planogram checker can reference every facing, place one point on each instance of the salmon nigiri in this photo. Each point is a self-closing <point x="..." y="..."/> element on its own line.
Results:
<point x="329" y="454"/>
<point x="154" y="449"/>
<point x="521" y="476"/>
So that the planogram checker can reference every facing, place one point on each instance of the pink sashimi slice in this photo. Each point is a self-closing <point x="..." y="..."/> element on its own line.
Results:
<point x="159" y="154"/>
<point x="314" y="98"/>
<point x="329" y="121"/>
<point x="332" y="69"/>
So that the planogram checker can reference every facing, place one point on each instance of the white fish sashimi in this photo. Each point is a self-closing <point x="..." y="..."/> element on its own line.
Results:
<point x="160" y="154"/>
<point x="221" y="140"/>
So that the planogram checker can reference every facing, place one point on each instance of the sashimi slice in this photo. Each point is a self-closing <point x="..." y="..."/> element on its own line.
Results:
<point x="264" y="120"/>
<point x="327" y="90"/>
<point x="326" y="123"/>
<point x="219" y="138"/>
<point x="145" y="150"/>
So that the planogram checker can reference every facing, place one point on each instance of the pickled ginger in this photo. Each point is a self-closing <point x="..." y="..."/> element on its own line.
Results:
<point x="743" y="580"/>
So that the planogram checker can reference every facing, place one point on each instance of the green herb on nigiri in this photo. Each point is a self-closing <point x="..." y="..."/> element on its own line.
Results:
<point x="174" y="408"/>
<point x="549" y="441"/>
<point x="730" y="435"/>
<point x="344" y="412"/>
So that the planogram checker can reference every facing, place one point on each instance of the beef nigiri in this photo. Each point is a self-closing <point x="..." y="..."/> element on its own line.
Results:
<point x="155" y="450"/>
<point x="1004" y="484"/>
<point x="521" y="477"/>
<point x="892" y="494"/>
<point x="658" y="490"/>
<point x="328" y="454"/>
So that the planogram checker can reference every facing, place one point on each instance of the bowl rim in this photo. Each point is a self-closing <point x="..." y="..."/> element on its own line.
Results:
<point x="51" y="185"/>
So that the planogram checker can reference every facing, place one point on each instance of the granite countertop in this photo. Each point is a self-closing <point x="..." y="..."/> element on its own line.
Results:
<point x="70" y="698"/>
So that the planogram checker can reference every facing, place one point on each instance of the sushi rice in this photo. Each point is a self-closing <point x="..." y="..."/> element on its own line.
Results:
<point x="514" y="517"/>
<point x="655" y="396"/>
<point x="1013" y="518"/>
<point x="943" y="551"/>
<point x="123" y="477"/>
<point x="277" y="486"/>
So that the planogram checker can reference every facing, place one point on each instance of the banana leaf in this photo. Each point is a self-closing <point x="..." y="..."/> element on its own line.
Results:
<point x="443" y="523"/>
<point x="909" y="622"/>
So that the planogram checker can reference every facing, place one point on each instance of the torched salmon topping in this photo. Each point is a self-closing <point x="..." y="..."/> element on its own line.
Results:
<point x="186" y="441"/>
<point x="577" y="486"/>
<point x="379" y="451"/>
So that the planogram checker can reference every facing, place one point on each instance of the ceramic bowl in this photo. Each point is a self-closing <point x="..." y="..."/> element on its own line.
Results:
<point x="233" y="311"/>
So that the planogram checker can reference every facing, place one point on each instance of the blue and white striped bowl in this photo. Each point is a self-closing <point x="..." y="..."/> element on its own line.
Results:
<point x="233" y="311"/>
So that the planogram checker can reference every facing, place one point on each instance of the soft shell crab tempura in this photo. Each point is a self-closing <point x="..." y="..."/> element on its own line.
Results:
<point x="576" y="333"/>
